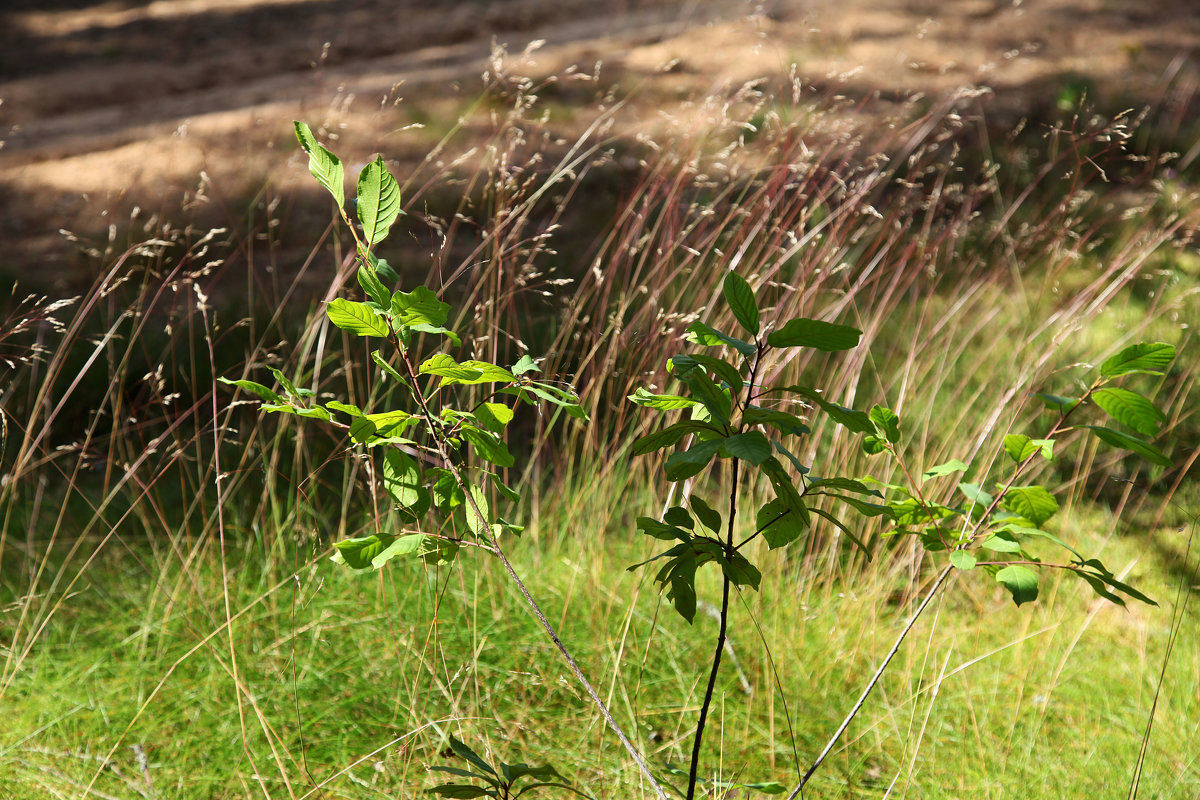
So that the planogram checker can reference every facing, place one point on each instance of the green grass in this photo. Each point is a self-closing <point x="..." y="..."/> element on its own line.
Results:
<point x="171" y="626"/>
<point x="984" y="698"/>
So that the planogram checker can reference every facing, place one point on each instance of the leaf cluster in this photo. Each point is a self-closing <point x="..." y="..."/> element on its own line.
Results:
<point x="440" y="463"/>
<point x="499" y="781"/>
<point x="732" y="416"/>
<point x="994" y="527"/>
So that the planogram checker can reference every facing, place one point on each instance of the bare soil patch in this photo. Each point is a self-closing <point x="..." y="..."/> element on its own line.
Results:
<point x="112" y="105"/>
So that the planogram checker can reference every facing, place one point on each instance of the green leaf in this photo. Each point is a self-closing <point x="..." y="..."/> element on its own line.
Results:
<point x="357" y="318"/>
<point x="420" y="307"/>
<point x="1020" y="581"/>
<point x="714" y="398"/>
<point x="462" y="751"/>
<point x="1131" y="443"/>
<point x="525" y="364"/>
<point x="391" y="423"/>
<point x="421" y="327"/>
<point x="778" y="525"/>
<point x="383" y="269"/>
<point x="447" y="494"/>
<point x="752" y="447"/>
<point x="740" y="298"/>
<point x="980" y="499"/>
<point x="1020" y="447"/>
<point x="814" y="333"/>
<point x="451" y="371"/>
<point x="867" y="509"/>
<point x="949" y="468"/>
<point x="679" y="517"/>
<point x="663" y="402"/>
<point x="856" y="421"/>
<point x="844" y="529"/>
<point x="1034" y="503"/>
<point x="372" y="552"/>
<point x="702" y="334"/>
<point x="389" y="370"/>
<point x="488" y="446"/>
<point x="669" y="436"/>
<point x="681" y="589"/>
<point x="790" y="456"/>
<point x="464" y="773"/>
<point x="316" y="412"/>
<point x="886" y="422"/>
<point x="683" y="364"/>
<point x="1146" y="357"/>
<point x="378" y="200"/>
<point x="963" y="560"/>
<point x="873" y="445"/>
<point x="478" y="526"/>
<point x="494" y="416"/>
<point x="514" y="772"/>
<point x="488" y="373"/>
<point x="687" y="463"/>
<point x="1056" y="402"/>
<point x="564" y="398"/>
<point x="785" y="423"/>
<point x="1002" y="542"/>
<point x="345" y="408"/>
<point x="408" y="545"/>
<point x="661" y="530"/>
<point x="370" y="283"/>
<point x="402" y="481"/>
<point x="289" y="388"/>
<point x="323" y="165"/>
<point x="1102" y="578"/>
<point x="707" y="515"/>
<point x="1024" y="530"/>
<point x="263" y="393"/>
<point x="1130" y="409"/>
<point x="459" y="791"/>
<point x="362" y="429"/>
<point x="781" y="482"/>
<point x="740" y="571"/>
<point x="842" y="485"/>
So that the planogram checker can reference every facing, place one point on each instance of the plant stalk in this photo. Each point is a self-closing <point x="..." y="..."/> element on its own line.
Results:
<point x="941" y="579"/>
<point x="730" y="550"/>
<point x="440" y="444"/>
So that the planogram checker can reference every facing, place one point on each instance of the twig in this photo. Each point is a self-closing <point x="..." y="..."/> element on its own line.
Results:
<point x="871" y="684"/>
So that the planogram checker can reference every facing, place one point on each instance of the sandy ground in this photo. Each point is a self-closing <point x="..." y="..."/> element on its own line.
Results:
<point x="110" y="105"/>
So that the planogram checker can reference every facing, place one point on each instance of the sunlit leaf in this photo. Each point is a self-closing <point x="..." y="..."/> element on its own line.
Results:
<point x="702" y="334"/>
<point x="357" y="318"/>
<point x="1131" y="443"/>
<point x="323" y="165"/>
<point x="751" y="446"/>
<point x="378" y="200"/>
<point x="1021" y="582"/>
<point x="740" y="298"/>
<point x="1034" y="503"/>
<point x="262" y="392"/>
<point x="1146" y="357"/>
<point x="825" y="336"/>
<point x="1130" y="409"/>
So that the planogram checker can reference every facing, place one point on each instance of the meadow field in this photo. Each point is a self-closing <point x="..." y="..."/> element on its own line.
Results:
<point x="173" y="623"/>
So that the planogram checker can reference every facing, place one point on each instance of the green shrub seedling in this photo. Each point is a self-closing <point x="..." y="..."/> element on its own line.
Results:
<point x="439" y="462"/>
<point x="499" y="781"/>
<point x="733" y="417"/>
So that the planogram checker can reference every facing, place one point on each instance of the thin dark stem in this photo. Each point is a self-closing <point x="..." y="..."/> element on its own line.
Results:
<point x="833" y="740"/>
<point x="473" y="508"/>
<point x="716" y="665"/>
